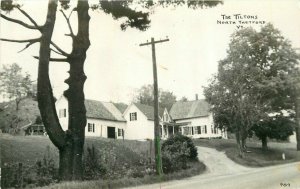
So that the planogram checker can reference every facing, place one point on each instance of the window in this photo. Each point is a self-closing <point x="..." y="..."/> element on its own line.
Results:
<point x="62" y="113"/>
<point x="91" y="127"/>
<point x="204" y="129"/>
<point x="188" y="130"/>
<point x="197" y="130"/>
<point x="120" y="132"/>
<point x="166" y="117"/>
<point x="185" y="130"/>
<point x="133" y="116"/>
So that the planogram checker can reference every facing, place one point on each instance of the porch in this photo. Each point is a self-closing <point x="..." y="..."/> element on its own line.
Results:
<point x="169" y="129"/>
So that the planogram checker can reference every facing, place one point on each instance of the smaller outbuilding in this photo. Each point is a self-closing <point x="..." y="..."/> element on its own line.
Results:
<point x="103" y="118"/>
<point x="35" y="129"/>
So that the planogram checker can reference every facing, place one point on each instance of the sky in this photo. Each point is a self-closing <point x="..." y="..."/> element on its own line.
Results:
<point x="116" y="66"/>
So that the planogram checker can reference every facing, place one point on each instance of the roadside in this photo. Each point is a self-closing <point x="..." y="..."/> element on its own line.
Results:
<point x="121" y="163"/>
<point x="223" y="173"/>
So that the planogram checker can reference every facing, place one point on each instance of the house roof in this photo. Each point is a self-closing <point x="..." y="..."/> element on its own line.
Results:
<point x="102" y="110"/>
<point x="148" y="111"/>
<point x="190" y="109"/>
<point x="121" y="106"/>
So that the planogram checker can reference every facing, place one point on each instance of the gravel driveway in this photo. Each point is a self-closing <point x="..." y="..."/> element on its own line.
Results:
<point x="217" y="163"/>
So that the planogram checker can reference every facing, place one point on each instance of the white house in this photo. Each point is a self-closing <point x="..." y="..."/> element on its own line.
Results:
<point x="140" y="122"/>
<point x="191" y="118"/>
<point x="103" y="118"/>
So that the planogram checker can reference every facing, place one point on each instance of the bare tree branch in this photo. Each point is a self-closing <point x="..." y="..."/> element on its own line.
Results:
<point x="29" y="17"/>
<point x="19" y="22"/>
<point x="71" y="14"/>
<point x="54" y="59"/>
<point x="55" y="51"/>
<point x="68" y="21"/>
<point x="69" y="35"/>
<point x="29" y="41"/>
<point x="21" y="41"/>
<point x="28" y="45"/>
<point x="59" y="49"/>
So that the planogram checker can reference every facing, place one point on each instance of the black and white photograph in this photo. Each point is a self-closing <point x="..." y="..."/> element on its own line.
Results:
<point x="150" y="94"/>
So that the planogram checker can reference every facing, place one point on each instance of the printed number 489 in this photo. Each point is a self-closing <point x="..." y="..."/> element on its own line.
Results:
<point x="285" y="184"/>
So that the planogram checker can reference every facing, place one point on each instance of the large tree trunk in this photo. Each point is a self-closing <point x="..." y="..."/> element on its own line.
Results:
<point x="264" y="142"/>
<point x="239" y="144"/>
<point x="44" y="91"/>
<point x="71" y="142"/>
<point x="244" y="135"/>
<point x="75" y="95"/>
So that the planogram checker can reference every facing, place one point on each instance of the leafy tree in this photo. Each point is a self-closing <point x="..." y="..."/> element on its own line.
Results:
<point x="70" y="143"/>
<point x="14" y="83"/>
<point x="295" y="82"/>
<point x="184" y="99"/>
<point x="167" y="99"/>
<point x="145" y="96"/>
<point x="276" y="127"/>
<point x="253" y="82"/>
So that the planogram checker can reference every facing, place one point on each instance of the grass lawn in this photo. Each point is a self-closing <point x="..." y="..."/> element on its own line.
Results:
<point x="256" y="156"/>
<point x="127" y="162"/>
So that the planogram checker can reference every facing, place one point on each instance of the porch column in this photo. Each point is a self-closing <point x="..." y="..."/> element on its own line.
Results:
<point x="173" y="130"/>
<point x="167" y="131"/>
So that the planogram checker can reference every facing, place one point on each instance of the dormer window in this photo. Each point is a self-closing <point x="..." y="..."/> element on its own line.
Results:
<point x="166" y="117"/>
<point x="133" y="116"/>
<point x="62" y="113"/>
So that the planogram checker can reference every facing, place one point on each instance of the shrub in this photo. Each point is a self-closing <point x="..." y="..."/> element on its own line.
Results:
<point x="19" y="175"/>
<point x="93" y="168"/>
<point x="192" y="155"/>
<point x="46" y="172"/>
<point x="177" y="151"/>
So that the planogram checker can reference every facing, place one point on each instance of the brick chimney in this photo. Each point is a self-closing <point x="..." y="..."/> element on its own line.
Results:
<point x="196" y="97"/>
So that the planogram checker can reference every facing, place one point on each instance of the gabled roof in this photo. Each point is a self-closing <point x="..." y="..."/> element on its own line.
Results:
<point x="169" y="118"/>
<point x="148" y="111"/>
<point x="189" y="109"/>
<point x="121" y="106"/>
<point x="102" y="110"/>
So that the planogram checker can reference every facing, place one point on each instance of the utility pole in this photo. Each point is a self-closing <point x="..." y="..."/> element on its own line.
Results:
<point x="157" y="149"/>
